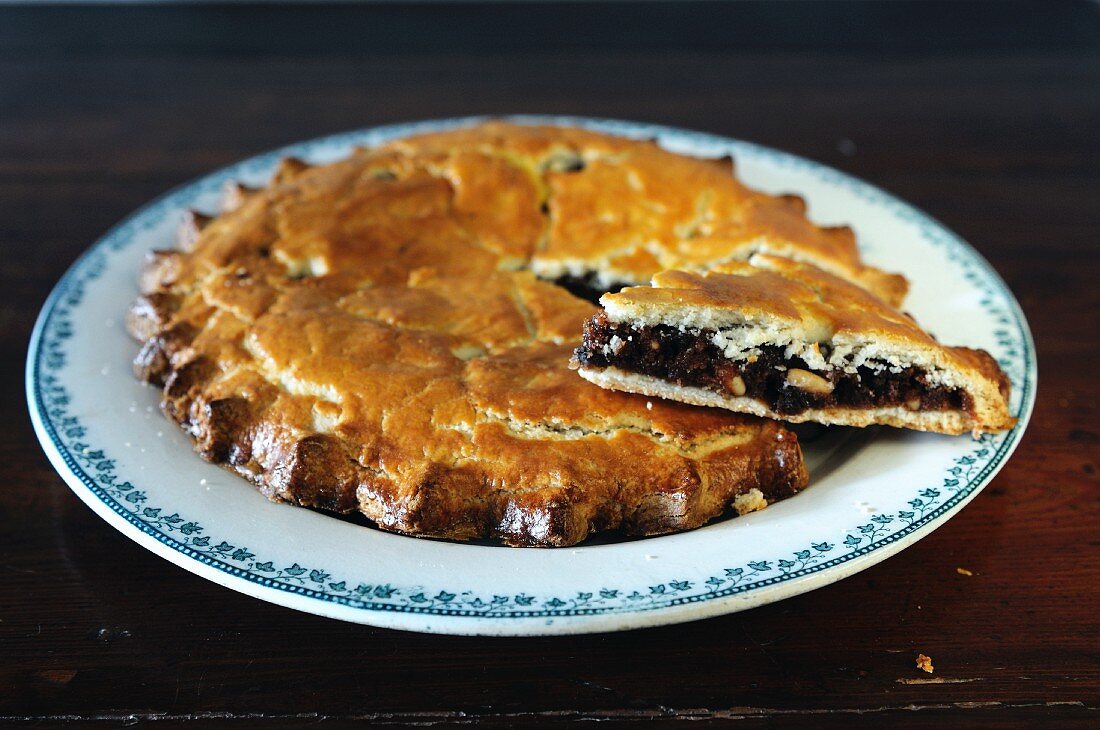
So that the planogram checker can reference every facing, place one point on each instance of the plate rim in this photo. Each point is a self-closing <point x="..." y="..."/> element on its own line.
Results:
<point x="550" y="618"/>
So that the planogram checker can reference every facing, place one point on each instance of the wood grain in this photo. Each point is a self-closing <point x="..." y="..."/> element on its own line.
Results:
<point x="985" y="116"/>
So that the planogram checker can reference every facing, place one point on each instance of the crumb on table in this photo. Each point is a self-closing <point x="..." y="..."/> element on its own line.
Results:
<point x="963" y="571"/>
<point x="924" y="662"/>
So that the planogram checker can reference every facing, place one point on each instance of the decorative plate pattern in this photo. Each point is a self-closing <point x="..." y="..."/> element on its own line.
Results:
<point x="870" y="496"/>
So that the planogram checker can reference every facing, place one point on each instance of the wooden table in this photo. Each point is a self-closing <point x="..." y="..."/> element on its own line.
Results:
<point x="988" y="117"/>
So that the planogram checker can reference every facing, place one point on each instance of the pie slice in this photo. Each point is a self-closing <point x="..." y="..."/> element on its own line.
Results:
<point x="786" y="340"/>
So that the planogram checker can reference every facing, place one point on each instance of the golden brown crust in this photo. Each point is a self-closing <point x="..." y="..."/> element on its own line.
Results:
<point x="624" y="210"/>
<point x="367" y="335"/>
<point x="772" y="301"/>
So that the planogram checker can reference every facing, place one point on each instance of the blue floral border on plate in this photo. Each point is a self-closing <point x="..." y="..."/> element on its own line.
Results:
<point x="96" y="470"/>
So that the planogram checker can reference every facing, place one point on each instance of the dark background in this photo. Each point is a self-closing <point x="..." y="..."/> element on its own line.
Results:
<point x="985" y="115"/>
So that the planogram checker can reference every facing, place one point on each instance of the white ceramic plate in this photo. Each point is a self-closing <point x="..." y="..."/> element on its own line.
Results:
<point x="872" y="494"/>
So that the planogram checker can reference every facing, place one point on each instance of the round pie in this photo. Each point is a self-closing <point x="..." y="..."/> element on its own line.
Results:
<point x="391" y="334"/>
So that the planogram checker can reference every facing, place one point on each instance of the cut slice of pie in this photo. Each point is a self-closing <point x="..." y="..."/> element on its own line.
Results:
<point x="786" y="340"/>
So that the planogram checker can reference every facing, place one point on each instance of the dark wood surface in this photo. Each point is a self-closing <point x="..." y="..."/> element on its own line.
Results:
<point x="987" y="116"/>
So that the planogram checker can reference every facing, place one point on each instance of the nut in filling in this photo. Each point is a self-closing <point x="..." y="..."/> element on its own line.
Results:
<point x="786" y="385"/>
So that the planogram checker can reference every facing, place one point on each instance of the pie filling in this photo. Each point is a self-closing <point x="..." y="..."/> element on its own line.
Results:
<point x="786" y="385"/>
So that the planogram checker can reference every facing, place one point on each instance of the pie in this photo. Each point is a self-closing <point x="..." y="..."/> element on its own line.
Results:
<point x="391" y="334"/>
<point x="786" y="340"/>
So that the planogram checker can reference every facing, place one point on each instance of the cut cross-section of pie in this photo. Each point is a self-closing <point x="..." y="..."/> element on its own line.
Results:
<point x="786" y="340"/>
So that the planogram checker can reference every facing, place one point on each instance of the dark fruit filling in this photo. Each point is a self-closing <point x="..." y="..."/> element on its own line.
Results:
<point x="691" y="359"/>
<point x="587" y="287"/>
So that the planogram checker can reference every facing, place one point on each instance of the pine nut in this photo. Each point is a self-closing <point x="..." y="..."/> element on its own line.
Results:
<point x="805" y="380"/>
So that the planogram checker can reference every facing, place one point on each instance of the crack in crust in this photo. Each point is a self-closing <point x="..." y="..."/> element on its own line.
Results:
<point x="377" y="335"/>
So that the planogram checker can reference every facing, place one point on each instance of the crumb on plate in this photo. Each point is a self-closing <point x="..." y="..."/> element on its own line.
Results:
<point x="924" y="662"/>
